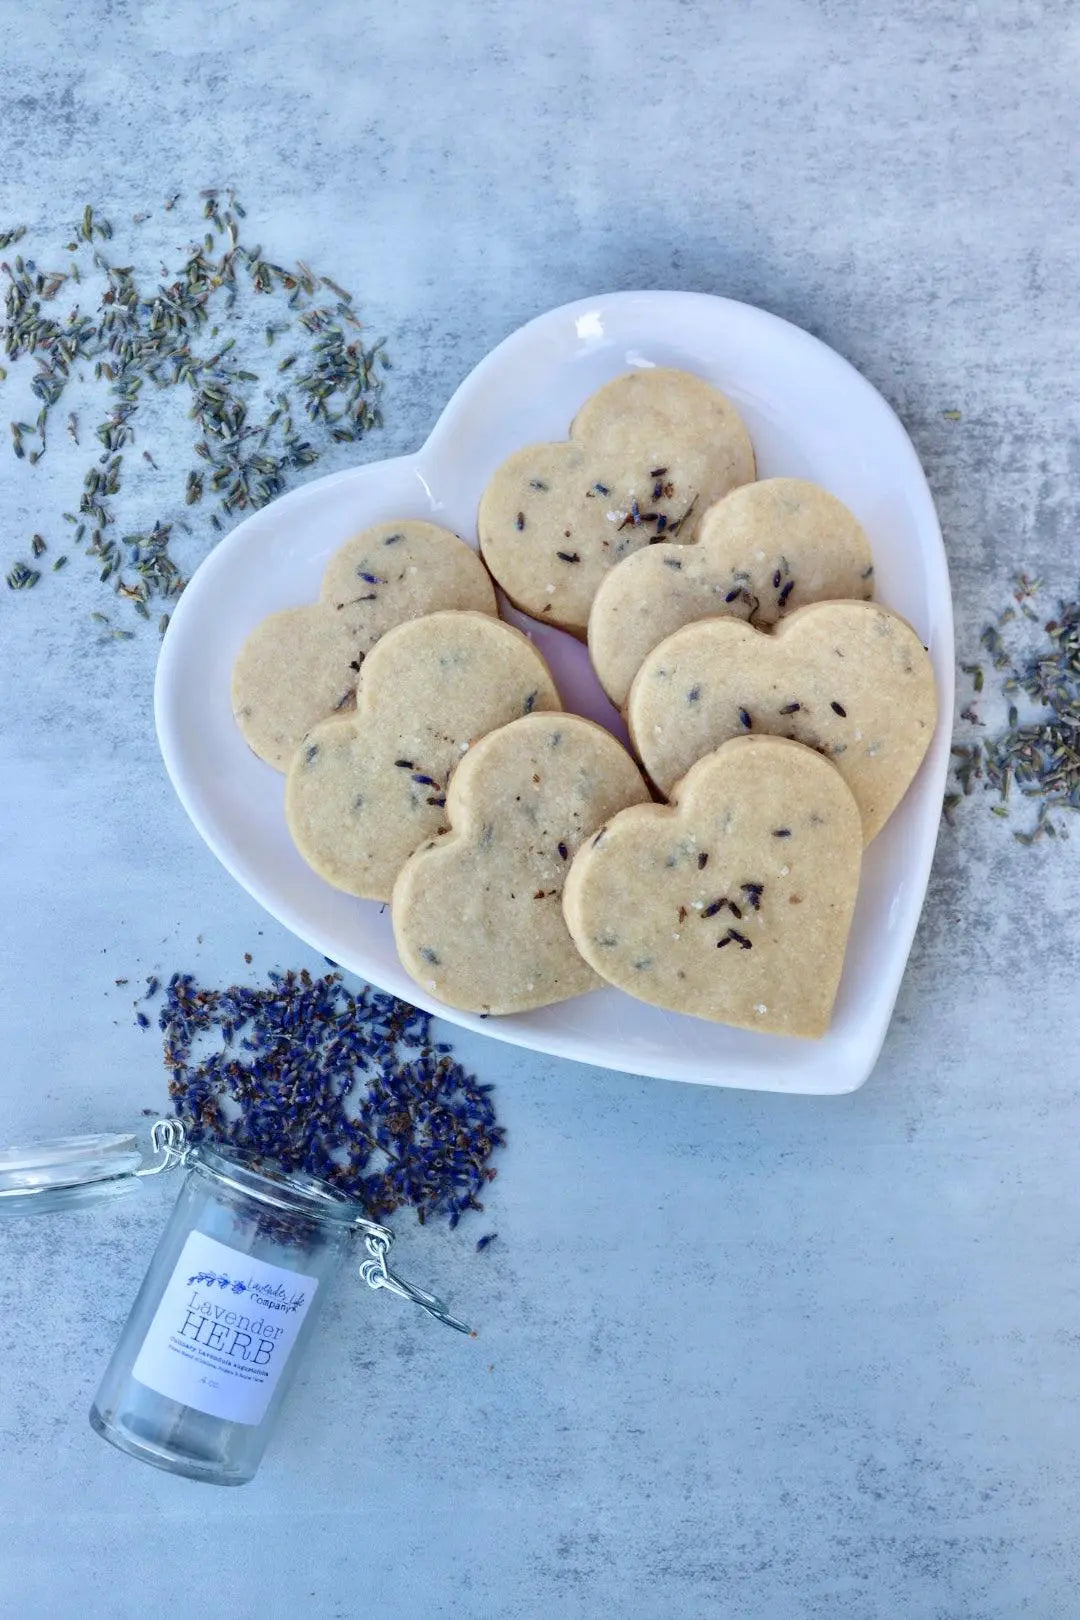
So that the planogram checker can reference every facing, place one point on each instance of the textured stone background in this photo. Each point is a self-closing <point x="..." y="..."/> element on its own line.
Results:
<point x="754" y="1356"/>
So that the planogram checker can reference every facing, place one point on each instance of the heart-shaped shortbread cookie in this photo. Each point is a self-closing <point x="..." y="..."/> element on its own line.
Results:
<point x="478" y="915"/>
<point x="762" y="551"/>
<point x="850" y="679"/>
<point x="735" y="903"/>
<point x="365" y="789"/>
<point x="300" y="665"/>
<point x="647" y="455"/>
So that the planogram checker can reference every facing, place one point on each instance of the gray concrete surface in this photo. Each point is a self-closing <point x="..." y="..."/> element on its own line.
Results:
<point x="744" y="1356"/>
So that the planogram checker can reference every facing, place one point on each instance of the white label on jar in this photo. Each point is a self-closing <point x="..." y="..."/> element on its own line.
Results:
<point x="223" y="1331"/>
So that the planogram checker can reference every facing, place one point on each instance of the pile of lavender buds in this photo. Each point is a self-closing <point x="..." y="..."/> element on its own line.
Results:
<point x="267" y="360"/>
<point x="346" y="1085"/>
<point x="1036" y="660"/>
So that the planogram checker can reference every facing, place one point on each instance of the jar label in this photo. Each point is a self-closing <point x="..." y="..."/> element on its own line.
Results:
<point x="223" y="1331"/>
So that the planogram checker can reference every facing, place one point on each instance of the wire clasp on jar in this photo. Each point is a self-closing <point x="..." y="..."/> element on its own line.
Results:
<point x="377" y="1274"/>
<point x="169" y="1142"/>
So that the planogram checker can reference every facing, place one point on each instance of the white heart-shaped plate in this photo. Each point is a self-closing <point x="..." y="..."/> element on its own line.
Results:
<point x="811" y="415"/>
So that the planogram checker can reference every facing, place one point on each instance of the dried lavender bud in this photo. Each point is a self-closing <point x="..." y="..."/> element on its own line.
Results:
<point x="348" y="1087"/>
<point x="165" y="334"/>
<point x="1040" y="754"/>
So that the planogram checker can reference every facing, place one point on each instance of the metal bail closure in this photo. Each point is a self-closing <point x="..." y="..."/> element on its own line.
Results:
<point x="377" y="1274"/>
<point x="74" y="1171"/>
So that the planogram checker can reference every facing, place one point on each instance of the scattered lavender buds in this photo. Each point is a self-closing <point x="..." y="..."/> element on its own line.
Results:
<point x="346" y="1086"/>
<point x="1039" y="755"/>
<point x="22" y="578"/>
<point x="189" y="328"/>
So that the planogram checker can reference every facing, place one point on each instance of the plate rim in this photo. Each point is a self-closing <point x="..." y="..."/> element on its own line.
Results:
<point x="740" y="1074"/>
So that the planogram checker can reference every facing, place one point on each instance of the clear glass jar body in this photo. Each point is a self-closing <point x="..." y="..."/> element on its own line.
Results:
<point x="221" y="1321"/>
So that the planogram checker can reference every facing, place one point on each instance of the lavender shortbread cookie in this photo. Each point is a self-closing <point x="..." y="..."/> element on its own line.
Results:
<point x="647" y="455"/>
<point x="301" y="665"/>
<point x="735" y="903"/>
<point x="477" y="914"/>
<point x="763" y="551"/>
<point x="365" y="789"/>
<point x="849" y="679"/>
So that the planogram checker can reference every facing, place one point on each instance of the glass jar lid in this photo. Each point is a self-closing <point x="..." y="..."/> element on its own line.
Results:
<point x="73" y="1170"/>
<point x="66" y="1173"/>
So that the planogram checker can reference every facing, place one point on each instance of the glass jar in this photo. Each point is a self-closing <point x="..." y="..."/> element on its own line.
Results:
<point x="229" y="1302"/>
